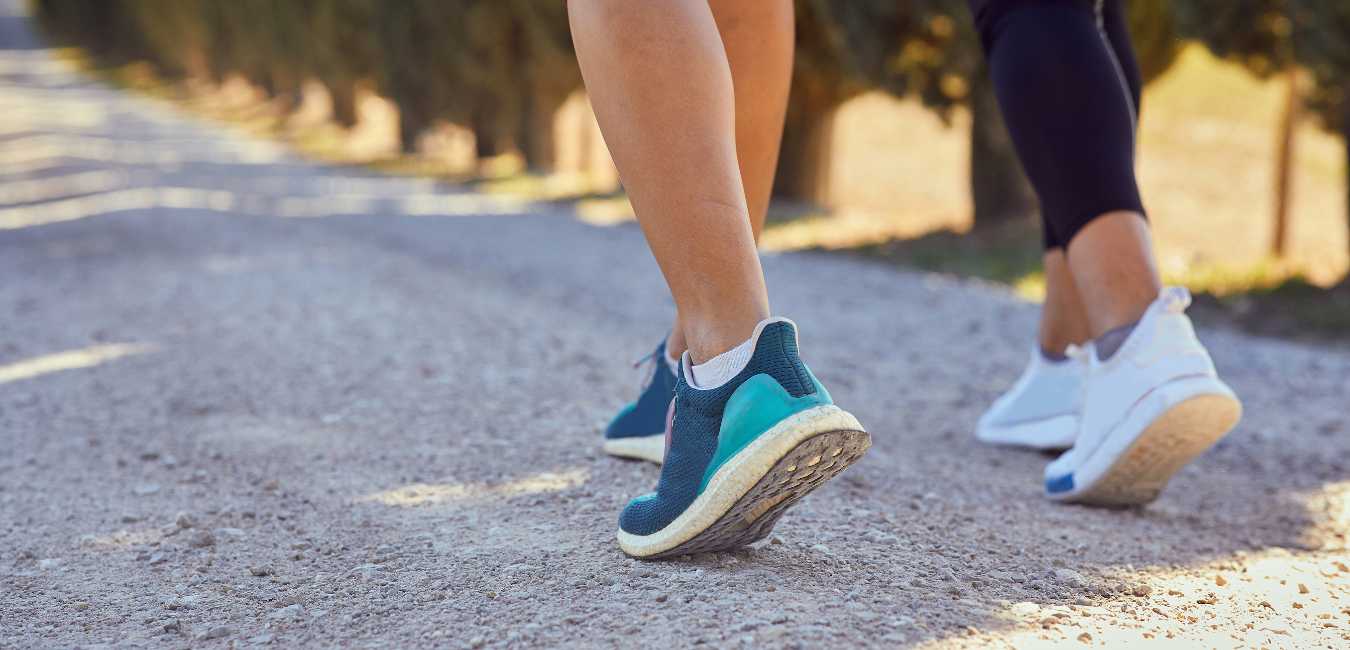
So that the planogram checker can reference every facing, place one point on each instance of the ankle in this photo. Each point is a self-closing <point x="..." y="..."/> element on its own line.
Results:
<point x="707" y="339"/>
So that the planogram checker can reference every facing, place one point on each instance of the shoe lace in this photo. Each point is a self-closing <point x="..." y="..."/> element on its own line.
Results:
<point x="648" y="375"/>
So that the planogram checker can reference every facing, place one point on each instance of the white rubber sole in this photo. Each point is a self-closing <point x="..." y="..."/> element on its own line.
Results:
<point x="651" y="448"/>
<point x="745" y="471"/>
<point x="1169" y="428"/>
<point x="1054" y="433"/>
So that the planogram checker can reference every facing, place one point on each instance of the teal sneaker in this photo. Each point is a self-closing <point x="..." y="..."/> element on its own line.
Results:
<point x="639" y="430"/>
<point x="740" y="454"/>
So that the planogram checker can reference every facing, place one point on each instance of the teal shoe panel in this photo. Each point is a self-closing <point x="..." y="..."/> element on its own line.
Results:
<point x="755" y="407"/>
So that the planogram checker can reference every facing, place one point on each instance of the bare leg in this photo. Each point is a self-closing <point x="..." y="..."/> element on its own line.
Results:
<point x="1063" y="320"/>
<point x="1111" y="260"/>
<point x="758" y="39"/>
<point x="658" y="77"/>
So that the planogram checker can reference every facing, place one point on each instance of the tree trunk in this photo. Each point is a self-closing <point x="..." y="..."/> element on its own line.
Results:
<point x="536" y="132"/>
<point x="410" y="126"/>
<point x="1284" y="163"/>
<point x="1345" y="141"/>
<point x="344" y="103"/>
<point x="999" y="188"/>
<point x="804" y="158"/>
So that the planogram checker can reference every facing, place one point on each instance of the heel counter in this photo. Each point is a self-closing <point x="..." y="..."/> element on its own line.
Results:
<point x="778" y="356"/>
<point x="755" y="407"/>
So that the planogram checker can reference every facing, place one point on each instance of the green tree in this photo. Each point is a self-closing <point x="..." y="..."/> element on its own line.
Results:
<point x="1259" y="35"/>
<point x="1322" y="44"/>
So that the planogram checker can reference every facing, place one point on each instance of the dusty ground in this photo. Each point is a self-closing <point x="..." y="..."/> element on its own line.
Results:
<point x="248" y="400"/>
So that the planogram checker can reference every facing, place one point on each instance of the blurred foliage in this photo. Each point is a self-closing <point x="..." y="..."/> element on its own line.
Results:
<point x="1270" y="36"/>
<point x="502" y="68"/>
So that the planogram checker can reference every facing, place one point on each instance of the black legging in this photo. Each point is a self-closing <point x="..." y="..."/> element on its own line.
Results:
<point x="1068" y="85"/>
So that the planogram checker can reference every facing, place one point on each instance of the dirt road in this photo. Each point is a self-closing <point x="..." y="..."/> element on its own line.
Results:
<point x="250" y="400"/>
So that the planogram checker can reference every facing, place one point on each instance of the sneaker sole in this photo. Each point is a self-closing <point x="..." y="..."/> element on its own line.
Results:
<point x="1179" y="434"/>
<point x="747" y="495"/>
<point x="650" y="448"/>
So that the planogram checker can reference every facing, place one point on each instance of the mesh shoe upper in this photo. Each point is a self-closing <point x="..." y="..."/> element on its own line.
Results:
<point x="647" y="415"/>
<point x="697" y="419"/>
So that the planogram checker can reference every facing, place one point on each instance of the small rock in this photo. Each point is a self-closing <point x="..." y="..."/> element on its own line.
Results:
<point x="821" y="548"/>
<point x="661" y="598"/>
<point x="476" y="642"/>
<point x="1220" y="581"/>
<point x="217" y="632"/>
<point x="169" y="462"/>
<point x="130" y="519"/>
<point x="1302" y="588"/>
<point x="180" y="602"/>
<point x="201" y="539"/>
<point x="157" y="558"/>
<point x="1142" y="590"/>
<point x="145" y="489"/>
<point x="50" y="563"/>
<point x="1070" y="577"/>
<point x="172" y="626"/>
<point x="271" y="485"/>
<point x="1085" y="637"/>
<point x="149" y="455"/>
<point x="260" y="571"/>
<point x="1207" y="600"/>
<point x="184" y="520"/>
<point x="234" y="533"/>
<point x="288" y="613"/>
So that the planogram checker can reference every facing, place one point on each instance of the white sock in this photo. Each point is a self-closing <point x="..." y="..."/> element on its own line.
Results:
<point x="723" y="367"/>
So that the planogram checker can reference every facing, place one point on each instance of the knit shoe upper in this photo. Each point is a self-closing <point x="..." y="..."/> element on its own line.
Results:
<point x="699" y="440"/>
<point x="647" y="415"/>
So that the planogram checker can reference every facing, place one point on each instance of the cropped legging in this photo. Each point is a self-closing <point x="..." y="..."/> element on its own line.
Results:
<point x="1068" y="85"/>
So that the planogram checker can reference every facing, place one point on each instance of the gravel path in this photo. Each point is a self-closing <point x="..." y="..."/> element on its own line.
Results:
<point x="250" y="400"/>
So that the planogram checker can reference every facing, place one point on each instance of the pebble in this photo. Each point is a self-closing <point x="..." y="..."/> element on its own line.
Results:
<point x="260" y="571"/>
<point x="1142" y="590"/>
<point x="145" y="489"/>
<point x="184" y="520"/>
<point x="1302" y="588"/>
<point x="236" y="533"/>
<point x="218" y="632"/>
<point x="1070" y="577"/>
<point x="180" y="602"/>
<point x="1085" y="637"/>
<point x="157" y="558"/>
<point x="130" y="519"/>
<point x="1220" y="581"/>
<point x="50" y="563"/>
<point x="201" y="539"/>
<point x="288" y="613"/>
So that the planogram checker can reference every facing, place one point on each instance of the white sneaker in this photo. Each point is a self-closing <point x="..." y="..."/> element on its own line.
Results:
<point x="1154" y="406"/>
<point x="1041" y="409"/>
